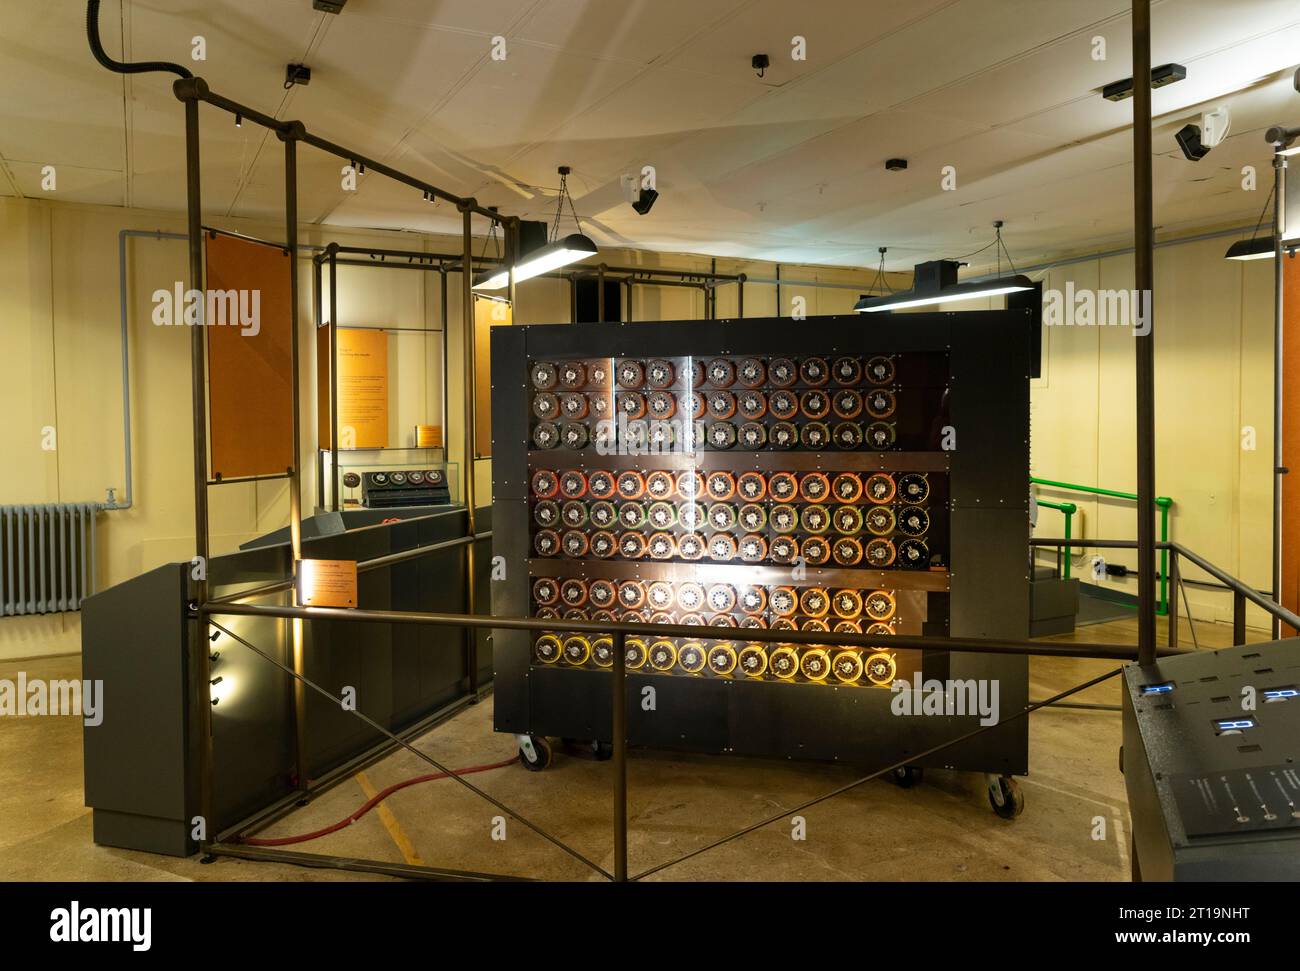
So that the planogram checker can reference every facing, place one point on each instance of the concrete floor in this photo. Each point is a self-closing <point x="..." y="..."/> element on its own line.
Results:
<point x="940" y="830"/>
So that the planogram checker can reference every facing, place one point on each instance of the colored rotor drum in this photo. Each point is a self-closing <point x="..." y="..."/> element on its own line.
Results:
<point x="634" y="653"/>
<point x="690" y="484"/>
<point x="815" y="404"/>
<point x="784" y="518"/>
<point x="815" y="519"/>
<point x="752" y="599"/>
<point x="631" y="515"/>
<point x="545" y="484"/>
<point x="661" y="546"/>
<point x="783" y="662"/>
<point x="783" y="623"/>
<point x="753" y="623"/>
<point x="660" y="373"/>
<point x="574" y="435"/>
<point x="630" y="374"/>
<point x="573" y="593"/>
<point x="879" y="605"/>
<point x="752" y="517"/>
<point x="546" y="542"/>
<point x="784" y="405"/>
<point x="752" y="405"/>
<point x="847" y="667"/>
<point x="847" y="604"/>
<point x="881" y="629"/>
<point x="546" y="513"/>
<point x="782" y="372"/>
<point x="602" y="594"/>
<point x="547" y="649"/>
<point x="783" y="549"/>
<point x="783" y="601"/>
<point x="847" y="520"/>
<point x="816" y="626"/>
<point x="913" y="488"/>
<point x="661" y="405"/>
<point x="631" y="404"/>
<point x="847" y="403"/>
<point x="631" y="546"/>
<point x="598" y="404"/>
<point x="782" y="435"/>
<point x="721" y="598"/>
<point x="783" y="486"/>
<point x="574" y="406"/>
<point x="752" y="435"/>
<point x="815" y="602"/>
<point x="814" y="371"/>
<point x="815" y="550"/>
<point x="602" y="651"/>
<point x="601" y="484"/>
<point x="692" y="620"/>
<point x="660" y="595"/>
<point x="880" y="370"/>
<point x="691" y="657"/>
<point x="691" y="515"/>
<point x="881" y="403"/>
<point x="880" y="487"/>
<point x="546" y="435"/>
<point x="690" y="597"/>
<point x="547" y="613"/>
<point x="722" y="658"/>
<point x="573" y="514"/>
<point x="602" y="514"/>
<point x="659" y="485"/>
<point x="661" y="436"/>
<point x="720" y="486"/>
<point x="630" y="485"/>
<point x="577" y="649"/>
<point x="847" y="551"/>
<point x="573" y="374"/>
<point x="605" y="437"/>
<point x="575" y="544"/>
<point x="663" y="655"/>
<point x="914" y="554"/>
<point x="663" y="617"/>
<point x="815" y="665"/>
<point x="604" y="616"/>
<point x="661" y="515"/>
<point x="751" y="372"/>
<point x="546" y="591"/>
<point x="879" y="520"/>
<point x="631" y="594"/>
<point x="847" y="627"/>
<point x="721" y="405"/>
<point x="752" y="548"/>
<point x="721" y="373"/>
<point x="603" y="544"/>
<point x="846" y="370"/>
<point x="751" y="660"/>
<point x="880" y="669"/>
<point x="573" y="484"/>
<point x="880" y="553"/>
<point x="546" y="406"/>
<point x="880" y="435"/>
<point x="847" y="435"/>
<point x="598" y="374"/>
<point x="913" y="521"/>
<point x="722" y="516"/>
<point x="722" y="548"/>
<point x="693" y="403"/>
<point x="814" y="487"/>
<point x="690" y="546"/>
<point x="636" y="436"/>
<point x="697" y="373"/>
<point x="544" y="376"/>
<point x="721" y="435"/>
<point x="751" y="486"/>
<point x="815" y="434"/>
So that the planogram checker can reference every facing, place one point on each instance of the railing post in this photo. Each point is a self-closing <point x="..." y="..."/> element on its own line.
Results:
<point x="1065" y="570"/>
<point x="1238" y="618"/>
<point x="619" y="743"/>
<point x="1173" y="599"/>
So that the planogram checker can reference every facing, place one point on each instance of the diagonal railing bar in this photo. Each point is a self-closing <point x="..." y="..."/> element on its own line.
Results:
<point x="1027" y="710"/>
<point x="451" y="773"/>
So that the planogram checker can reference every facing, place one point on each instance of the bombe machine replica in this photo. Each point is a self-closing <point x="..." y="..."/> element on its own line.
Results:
<point x="834" y="474"/>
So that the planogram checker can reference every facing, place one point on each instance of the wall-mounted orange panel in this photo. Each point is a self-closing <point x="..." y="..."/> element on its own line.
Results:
<point x="487" y="314"/>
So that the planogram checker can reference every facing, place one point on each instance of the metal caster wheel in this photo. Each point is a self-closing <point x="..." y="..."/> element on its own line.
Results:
<point x="535" y="752"/>
<point x="1005" y="796"/>
<point x="907" y="776"/>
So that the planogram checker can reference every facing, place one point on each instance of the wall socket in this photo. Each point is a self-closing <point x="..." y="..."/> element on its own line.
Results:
<point x="1099" y="568"/>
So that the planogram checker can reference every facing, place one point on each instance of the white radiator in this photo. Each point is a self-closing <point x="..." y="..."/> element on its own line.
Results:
<point x="47" y="557"/>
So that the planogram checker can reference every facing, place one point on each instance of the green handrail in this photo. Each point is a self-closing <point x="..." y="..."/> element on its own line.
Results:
<point x="1069" y="509"/>
<point x="1163" y="503"/>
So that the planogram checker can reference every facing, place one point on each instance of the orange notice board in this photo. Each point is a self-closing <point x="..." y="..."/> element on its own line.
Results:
<point x="487" y="314"/>
<point x="250" y="357"/>
<point x="362" y="391"/>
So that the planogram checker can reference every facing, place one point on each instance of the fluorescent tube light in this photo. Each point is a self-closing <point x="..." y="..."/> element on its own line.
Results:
<point x="562" y="252"/>
<point x="1259" y="248"/>
<point x="936" y="283"/>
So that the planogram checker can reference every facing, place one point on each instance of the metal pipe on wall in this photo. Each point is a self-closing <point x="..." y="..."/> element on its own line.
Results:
<point x="1279" y="340"/>
<point x="335" y="479"/>
<point x="1144" y="334"/>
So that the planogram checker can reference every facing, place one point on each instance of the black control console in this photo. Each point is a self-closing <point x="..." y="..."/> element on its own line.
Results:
<point x="414" y="487"/>
<point x="1211" y="762"/>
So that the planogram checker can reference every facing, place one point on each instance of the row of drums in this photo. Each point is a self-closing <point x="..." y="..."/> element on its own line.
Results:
<point x="719" y="372"/>
<point x="782" y="405"/>
<point x="875" y="488"/>
<point x="781" y="662"/>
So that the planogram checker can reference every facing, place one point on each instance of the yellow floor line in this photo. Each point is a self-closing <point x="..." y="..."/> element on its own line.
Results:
<point x="390" y="823"/>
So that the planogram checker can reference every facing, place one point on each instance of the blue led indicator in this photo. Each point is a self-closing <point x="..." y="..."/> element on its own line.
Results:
<point x="1157" y="689"/>
<point x="1234" y="724"/>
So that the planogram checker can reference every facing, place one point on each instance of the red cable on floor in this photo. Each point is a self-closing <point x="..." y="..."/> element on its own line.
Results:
<point x="371" y="804"/>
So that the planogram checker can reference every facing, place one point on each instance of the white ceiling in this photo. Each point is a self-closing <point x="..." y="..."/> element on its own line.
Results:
<point x="789" y="167"/>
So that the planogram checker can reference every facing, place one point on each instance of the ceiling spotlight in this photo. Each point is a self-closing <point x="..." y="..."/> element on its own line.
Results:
<point x="760" y="63"/>
<point x="895" y="164"/>
<point x="328" y="6"/>
<point x="239" y="120"/>
<point x="1189" y="140"/>
<point x="1160" y="76"/>
<point x="644" y="201"/>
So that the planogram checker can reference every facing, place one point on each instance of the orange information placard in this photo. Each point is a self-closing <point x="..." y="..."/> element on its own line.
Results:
<point x="487" y="314"/>
<point x="362" y="388"/>
<point x="250" y="357"/>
